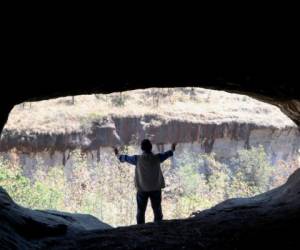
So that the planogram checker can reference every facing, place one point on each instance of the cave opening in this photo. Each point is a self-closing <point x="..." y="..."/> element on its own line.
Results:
<point x="56" y="154"/>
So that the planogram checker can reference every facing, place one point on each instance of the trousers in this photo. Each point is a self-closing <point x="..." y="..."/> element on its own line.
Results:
<point x="142" y="200"/>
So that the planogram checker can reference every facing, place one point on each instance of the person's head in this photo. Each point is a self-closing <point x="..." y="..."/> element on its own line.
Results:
<point x="146" y="146"/>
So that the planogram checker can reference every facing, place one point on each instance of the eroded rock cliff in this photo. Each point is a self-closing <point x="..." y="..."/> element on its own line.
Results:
<point x="224" y="138"/>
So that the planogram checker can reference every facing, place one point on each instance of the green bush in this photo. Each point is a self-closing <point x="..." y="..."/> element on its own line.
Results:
<point x="252" y="168"/>
<point x="27" y="193"/>
<point x="211" y="182"/>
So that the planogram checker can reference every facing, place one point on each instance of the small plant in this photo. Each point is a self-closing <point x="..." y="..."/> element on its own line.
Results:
<point x="118" y="100"/>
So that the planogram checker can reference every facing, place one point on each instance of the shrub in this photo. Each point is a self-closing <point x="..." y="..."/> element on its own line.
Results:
<point x="119" y="99"/>
<point x="252" y="167"/>
<point x="36" y="194"/>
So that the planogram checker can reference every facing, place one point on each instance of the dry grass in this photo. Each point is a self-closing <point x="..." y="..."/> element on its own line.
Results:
<point x="61" y="116"/>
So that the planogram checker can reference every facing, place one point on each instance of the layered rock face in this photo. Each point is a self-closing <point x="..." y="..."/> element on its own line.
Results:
<point x="224" y="139"/>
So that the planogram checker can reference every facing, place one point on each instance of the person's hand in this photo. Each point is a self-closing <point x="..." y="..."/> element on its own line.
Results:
<point x="116" y="151"/>
<point x="173" y="146"/>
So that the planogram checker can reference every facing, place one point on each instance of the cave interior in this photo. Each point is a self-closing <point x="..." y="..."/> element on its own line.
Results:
<point x="268" y="220"/>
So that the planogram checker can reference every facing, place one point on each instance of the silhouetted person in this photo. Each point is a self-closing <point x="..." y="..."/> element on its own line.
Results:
<point x="148" y="179"/>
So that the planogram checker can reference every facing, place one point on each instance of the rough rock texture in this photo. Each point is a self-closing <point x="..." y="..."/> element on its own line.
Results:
<point x="22" y="228"/>
<point x="223" y="138"/>
<point x="265" y="223"/>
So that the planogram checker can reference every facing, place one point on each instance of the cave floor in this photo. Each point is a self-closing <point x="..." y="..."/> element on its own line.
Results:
<point x="240" y="229"/>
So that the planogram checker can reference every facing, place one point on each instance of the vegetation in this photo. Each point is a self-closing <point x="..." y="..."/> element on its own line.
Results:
<point x="74" y="114"/>
<point x="118" y="100"/>
<point x="106" y="189"/>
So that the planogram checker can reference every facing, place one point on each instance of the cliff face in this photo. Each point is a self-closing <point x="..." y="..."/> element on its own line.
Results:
<point x="224" y="139"/>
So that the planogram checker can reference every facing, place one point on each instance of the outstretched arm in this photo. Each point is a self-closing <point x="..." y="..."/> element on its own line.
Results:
<point x="167" y="154"/>
<point x="126" y="158"/>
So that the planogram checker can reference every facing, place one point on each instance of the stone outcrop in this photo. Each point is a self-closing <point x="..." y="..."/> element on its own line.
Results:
<point x="22" y="228"/>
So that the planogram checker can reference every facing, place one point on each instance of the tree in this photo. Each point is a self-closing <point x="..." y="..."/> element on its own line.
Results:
<point x="252" y="167"/>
